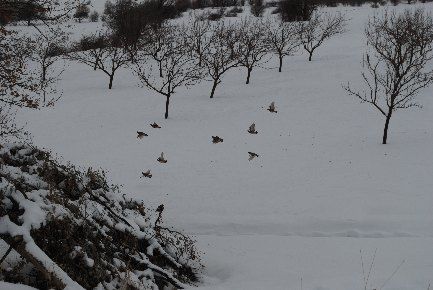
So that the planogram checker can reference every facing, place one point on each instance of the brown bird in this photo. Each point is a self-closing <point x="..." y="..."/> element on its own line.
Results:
<point x="141" y="135"/>
<point x="217" y="139"/>
<point x="272" y="108"/>
<point x="161" y="158"/>
<point x="147" y="174"/>
<point x="252" y="156"/>
<point x="252" y="129"/>
<point x="154" y="125"/>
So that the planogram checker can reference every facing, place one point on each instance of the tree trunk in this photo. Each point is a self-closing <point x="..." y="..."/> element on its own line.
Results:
<point x="248" y="75"/>
<point x="110" y="85"/>
<point x="310" y="56"/>
<point x="44" y="73"/>
<point x="281" y="63"/>
<point x="167" y="103"/>
<point x="385" y="129"/>
<point x="96" y="64"/>
<point x="215" y="83"/>
<point x="160" y="69"/>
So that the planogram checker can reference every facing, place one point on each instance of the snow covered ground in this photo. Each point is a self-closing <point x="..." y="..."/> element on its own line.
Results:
<point x="322" y="189"/>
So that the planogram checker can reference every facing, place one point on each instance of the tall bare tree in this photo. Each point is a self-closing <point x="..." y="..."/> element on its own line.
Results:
<point x="20" y="86"/>
<point x="197" y="36"/>
<point x="395" y="65"/>
<point x="155" y="40"/>
<point x="178" y="68"/>
<point x="283" y="39"/>
<point x="48" y="49"/>
<point x="104" y="52"/>
<point x="222" y="53"/>
<point x="253" y="49"/>
<point x="93" y="44"/>
<point x="319" y="28"/>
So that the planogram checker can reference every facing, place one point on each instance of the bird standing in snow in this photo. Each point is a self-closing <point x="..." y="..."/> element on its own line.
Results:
<point x="161" y="158"/>
<point x="217" y="139"/>
<point x="272" y="108"/>
<point x="140" y="134"/>
<point x="252" y="156"/>
<point x="154" y="125"/>
<point x="252" y="129"/>
<point x="147" y="174"/>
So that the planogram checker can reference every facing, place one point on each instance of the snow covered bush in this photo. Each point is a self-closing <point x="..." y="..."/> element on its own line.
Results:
<point x="94" y="16"/>
<point x="82" y="11"/>
<point x="68" y="229"/>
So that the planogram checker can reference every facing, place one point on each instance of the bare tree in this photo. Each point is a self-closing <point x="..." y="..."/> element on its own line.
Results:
<point x="283" y="39"/>
<point x="49" y="48"/>
<point x="197" y="36"/>
<point x="93" y="44"/>
<point x="20" y="86"/>
<point x="153" y="44"/>
<point x="320" y="27"/>
<point x="394" y="66"/>
<point x="178" y="68"/>
<point x="253" y="47"/>
<point x="105" y="53"/>
<point x="221" y="55"/>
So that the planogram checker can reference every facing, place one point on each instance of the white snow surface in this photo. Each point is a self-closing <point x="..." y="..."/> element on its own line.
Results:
<point x="10" y="286"/>
<point x="322" y="189"/>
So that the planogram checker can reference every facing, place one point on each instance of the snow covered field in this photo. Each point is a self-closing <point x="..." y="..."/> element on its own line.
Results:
<point x="322" y="189"/>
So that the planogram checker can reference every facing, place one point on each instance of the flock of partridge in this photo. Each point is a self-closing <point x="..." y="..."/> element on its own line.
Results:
<point x="251" y="130"/>
<point x="215" y="140"/>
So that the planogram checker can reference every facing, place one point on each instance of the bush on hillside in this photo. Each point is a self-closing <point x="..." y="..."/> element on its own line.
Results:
<point x="296" y="10"/>
<point x="71" y="229"/>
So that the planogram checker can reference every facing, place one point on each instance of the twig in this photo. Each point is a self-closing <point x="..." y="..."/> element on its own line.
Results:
<point x="6" y="254"/>
<point x="367" y="278"/>
<point x="392" y="275"/>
